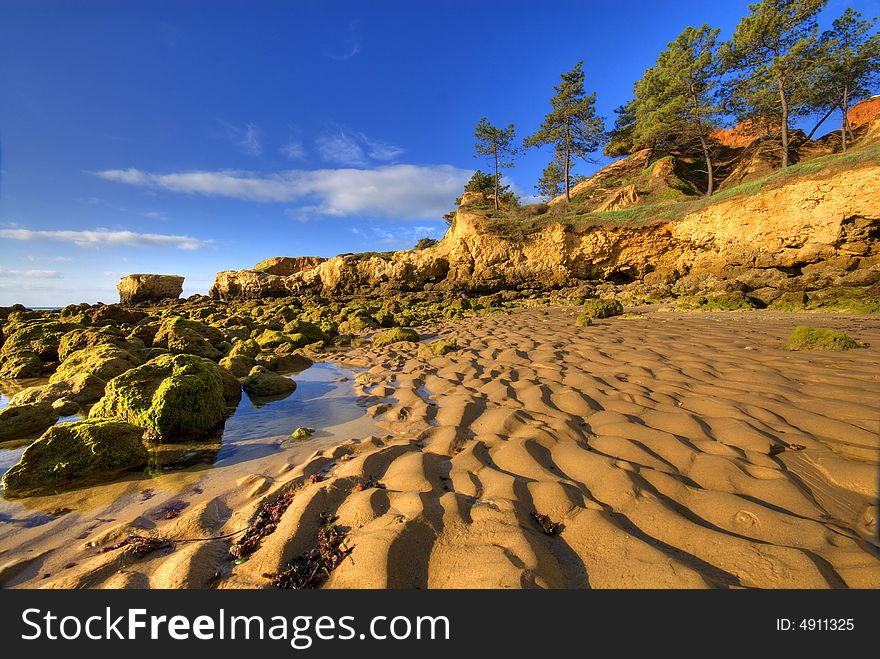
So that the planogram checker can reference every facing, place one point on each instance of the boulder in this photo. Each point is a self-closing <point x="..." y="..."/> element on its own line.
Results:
<point x="602" y="308"/>
<point x="397" y="335"/>
<point x="83" y="389"/>
<point x="287" y="265"/>
<point x="113" y="314"/>
<point x="182" y="336"/>
<point x="73" y="453"/>
<point x="103" y="361"/>
<point x="149" y="288"/>
<point x="90" y="337"/>
<point x="23" y="364"/>
<point x="40" y="337"/>
<point x="245" y="348"/>
<point x="239" y="366"/>
<point x="262" y="382"/>
<point x="28" y="420"/>
<point x="172" y="397"/>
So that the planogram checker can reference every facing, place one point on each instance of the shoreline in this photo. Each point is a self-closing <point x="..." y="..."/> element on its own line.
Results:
<point x="646" y="437"/>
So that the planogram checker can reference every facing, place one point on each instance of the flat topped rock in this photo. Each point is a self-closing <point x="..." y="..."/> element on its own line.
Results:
<point x="288" y="265"/>
<point x="149" y="288"/>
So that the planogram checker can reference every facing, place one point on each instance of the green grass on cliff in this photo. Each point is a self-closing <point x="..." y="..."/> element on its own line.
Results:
<point x="526" y="220"/>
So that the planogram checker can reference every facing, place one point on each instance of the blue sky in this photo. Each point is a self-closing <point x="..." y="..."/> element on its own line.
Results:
<point x="191" y="137"/>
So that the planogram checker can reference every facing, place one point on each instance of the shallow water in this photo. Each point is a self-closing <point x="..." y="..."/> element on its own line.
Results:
<point x="324" y="400"/>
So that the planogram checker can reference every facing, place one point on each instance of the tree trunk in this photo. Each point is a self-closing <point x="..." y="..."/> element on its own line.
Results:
<point x="823" y="120"/>
<point x="784" y="101"/>
<point x="567" y="160"/>
<point x="845" y="125"/>
<point x="650" y="156"/>
<point x="495" y="151"/>
<point x="710" y="188"/>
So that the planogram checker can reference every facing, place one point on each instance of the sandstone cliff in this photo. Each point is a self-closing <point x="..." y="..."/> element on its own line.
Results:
<point x="825" y="215"/>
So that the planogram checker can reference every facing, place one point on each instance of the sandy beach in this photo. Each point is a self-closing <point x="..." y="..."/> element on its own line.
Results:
<point x="646" y="437"/>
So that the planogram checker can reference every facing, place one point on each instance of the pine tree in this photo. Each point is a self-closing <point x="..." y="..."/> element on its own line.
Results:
<point x="682" y="86"/>
<point x="572" y="126"/>
<point x="849" y="69"/>
<point x="498" y="143"/>
<point x="773" y="55"/>
<point x="552" y="179"/>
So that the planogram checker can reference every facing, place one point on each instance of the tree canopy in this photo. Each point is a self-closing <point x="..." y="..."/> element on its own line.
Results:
<point x="573" y="127"/>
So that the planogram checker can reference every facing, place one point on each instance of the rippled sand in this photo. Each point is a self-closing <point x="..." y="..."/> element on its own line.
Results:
<point x="647" y="438"/>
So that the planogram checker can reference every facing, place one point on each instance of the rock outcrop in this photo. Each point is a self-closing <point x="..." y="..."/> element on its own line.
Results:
<point x="149" y="288"/>
<point x="287" y="265"/>
<point x="74" y="454"/>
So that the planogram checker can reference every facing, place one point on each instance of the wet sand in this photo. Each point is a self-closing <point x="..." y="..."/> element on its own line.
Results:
<point x="647" y="438"/>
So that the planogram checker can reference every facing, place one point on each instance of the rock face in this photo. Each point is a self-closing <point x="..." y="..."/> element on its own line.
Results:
<point x="172" y="397"/>
<point x="149" y="288"/>
<point x="864" y="112"/>
<point x="73" y="453"/>
<point x="823" y="218"/>
<point x="287" y="265"/>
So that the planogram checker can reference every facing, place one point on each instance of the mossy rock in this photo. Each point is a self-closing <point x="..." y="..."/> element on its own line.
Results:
<point x="357" y="322"/>
<point x="103" y="361"/>
<point x="302" y="434"/>
<point x="792" y="301"/>
<point x="23" y="364"/>
<point x="172" y="397"/>
<point x="286" y="363"/>
<point x="245" y="348"/>
<point x="83" y="389"/>
<point x="239" y="366"/>
<point x="37" y="336"/>
<point x="71" y="454"/>
<point x="396" y="335"/>
<point x="27" y="420"/>
<point x="90" y="337"/>
<point x="271" y="339"/>
<point x="602" y="308"/>
<point x="734" y="301"/>
<point x="262" y="382"/>
<point x="438" y="348"/>
<point x="584" y="319"/>
<point x="812" y="338"/>
<point x="310" y="331"/>
<point x="146" y="331"/>
<point x="187" y="337"/>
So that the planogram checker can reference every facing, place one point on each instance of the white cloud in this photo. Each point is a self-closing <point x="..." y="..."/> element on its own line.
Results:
<point x="246" y="139"/>
<point x="156" y="215"/>
<point x="30" y="274"/>
<point x="397" y="236"/>
<point x="293" y="150"/>
<point x="50" y="259"/>
<point x="390" y="191"/>
<point x="354" y="149"/>
<point x="106" y="237"/>
<point x="353" y="46"/>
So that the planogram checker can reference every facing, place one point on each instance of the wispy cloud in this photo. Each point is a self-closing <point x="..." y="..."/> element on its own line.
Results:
<point x="354" y="149"/>
<point x="293" y="150"/>
<point x="390" y="191"/>
<point x="29" y="274"/>
<point x="246" y="138"/>
<point x="156" y="215"/>
<point x="106" y="238"/>
<point x="351" y="48"/>
<point x="49" y="259"/>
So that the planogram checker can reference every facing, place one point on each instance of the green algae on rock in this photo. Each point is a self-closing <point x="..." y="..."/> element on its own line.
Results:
<point x="70" y="454"/>
<point x="813" y="338"/>
<point x="438" y="348"/>
<point x="584" y="319"/>
<point x="263" y="382"/>
<point x="182" y="336"/>
<point x="89" y="338"/>
<point x="27" y="420"/>
<point x="601" y="308"/>
<point x="302" y="434"/>
<point x="23" y="364"/>
<point x="396" y="335"/>
<point x="103" y="361"/>
<point x="83" y="389"/>
<point x="172" y="397"/>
